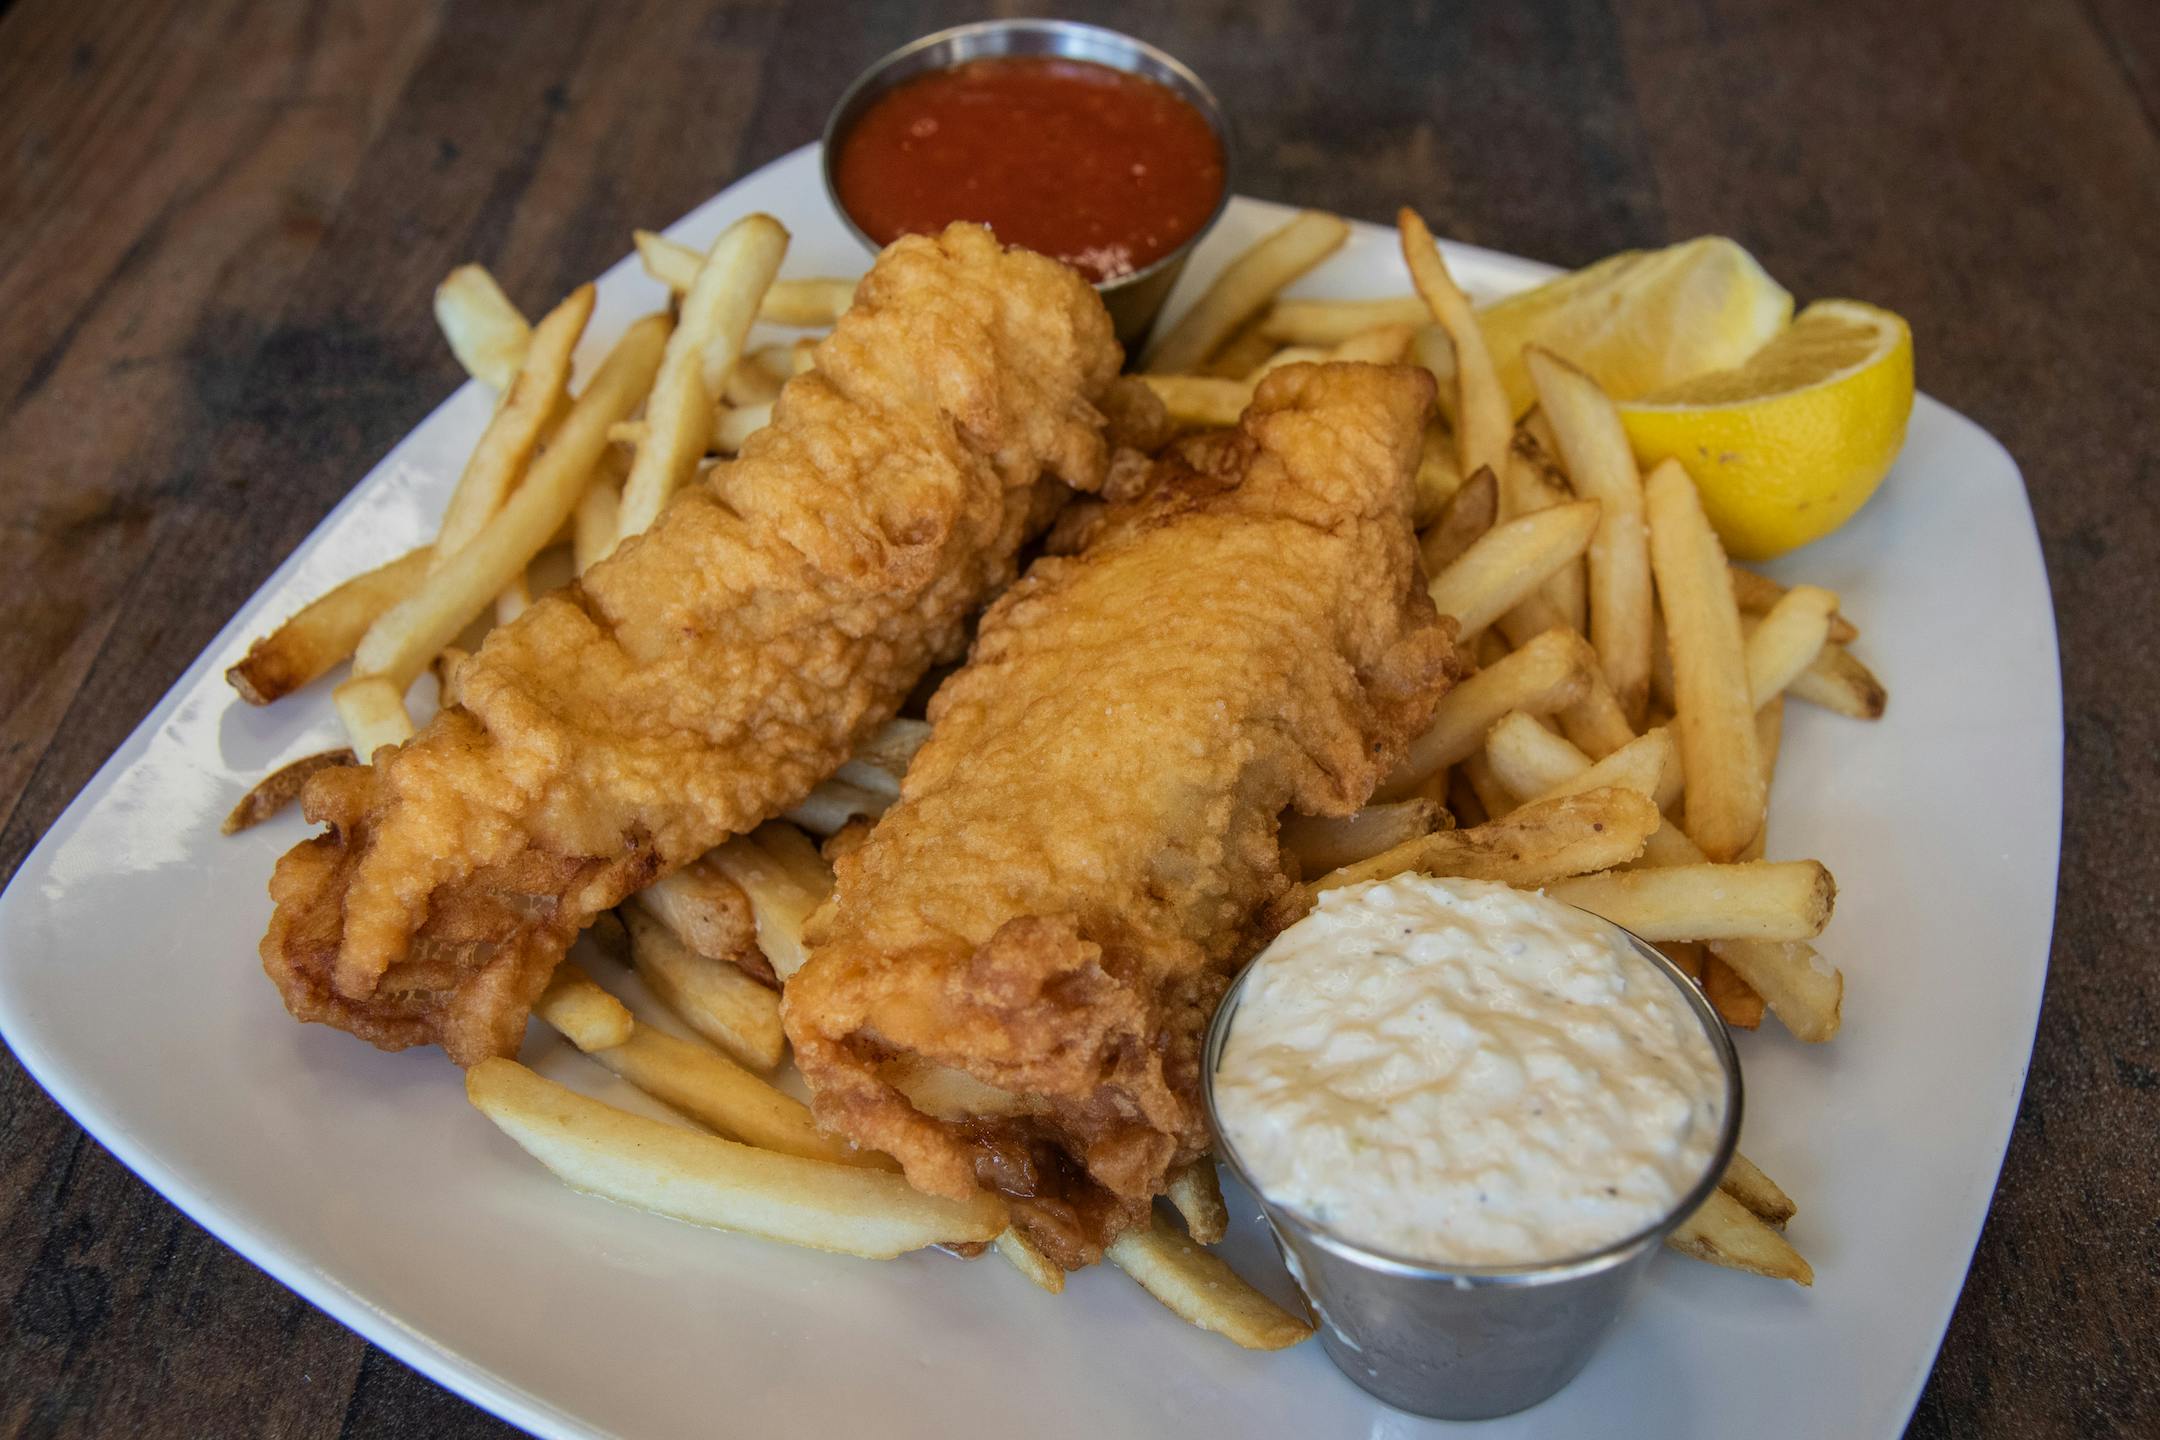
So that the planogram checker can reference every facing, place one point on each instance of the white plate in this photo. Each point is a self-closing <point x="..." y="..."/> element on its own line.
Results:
<point x="129" y="988"/>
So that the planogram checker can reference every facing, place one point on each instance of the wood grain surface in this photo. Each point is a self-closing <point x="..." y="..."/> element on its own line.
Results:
<point x="220" y="222"/>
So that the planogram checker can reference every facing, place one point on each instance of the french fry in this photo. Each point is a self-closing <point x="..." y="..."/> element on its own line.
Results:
<point x="485" y="331"/>
<point x="1529" y="759"/>
<point x="1493" y="797"/>
<point x="1467" y="515"/>
<point x="1331" y="322"/>
<point x="1801" y="989"/>
<point x="1725" y="1232"/>
<point x="1509" y="562"/>
<point x="1533" y="845"/>
<point x="1381" y="345"/>
<point x="717" y="313"/>
<point x="1039" y="1268"/>
<point x="1736" y="1002"/>
<point x="779" y="902"/>
<point x="1483" y="419"/>
<point x="400" y="644"/>
<point x="788" y="361"/>
<point x="1201" y="401"/>
<point x="1243" y="288"/>
<point x="1433" y="352"/>
<point x="1769" y="739"/>
<point x="1535" y="615"/>
<point x="1288" y="355"/>
<point x="732" y="427"/>
<point x="832" y="804"/>
<point x="798" y="855"/>
<point x="322" y="635"/>
<point x="1240" y="355"/>
<point x="1661" y="674"/>
<point x="538" y="394"/>
<point x="1601" y="466"/>
<point x="718" y="1093"/>
<point x="1752" y="900"/>
<point x="810" y="303"/>
<point x="372" y="709"/>
<point x="750" y="384"/>
<point x="594" y="525"/>
<point x="1201" y="1290"/>
<point x="806" y="304"/>
<point x="705" y="909"/>
<point x="1759" y="595"/>
<point x="1744" y="1181"/>
<point x="1687" y="957"/>
<point x="891" y="750"/>
<point x="1596" y="722"/>
<point x="1640" y="765"/>
<point x="1439" y="478"/>
<point x="1837" y="681"/>
<point x="1531" y="479"/>
<point x="712" y="995"/>
<point x="1324" y="843"/>
<point x="706" y="1180"/>
<point x="1715" y="715"/>
<point x="1787" y="640"/>
<point x="513" y="599"/>
<point x="279" y="789"/>
<point x="1545" y="675"/>
<point x="1196" y="1194"/>
<point x="585" y="1015"/>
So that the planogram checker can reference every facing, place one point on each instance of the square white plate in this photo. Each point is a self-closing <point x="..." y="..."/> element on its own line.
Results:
<point x="129" y="987"/>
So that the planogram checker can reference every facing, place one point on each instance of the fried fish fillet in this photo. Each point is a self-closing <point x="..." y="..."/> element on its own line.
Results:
<point x="717" y="667"/>
<point x="1012" y="983"/>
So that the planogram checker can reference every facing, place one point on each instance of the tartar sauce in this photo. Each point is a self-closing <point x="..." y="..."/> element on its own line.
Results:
<point x="1462" y="1073"/>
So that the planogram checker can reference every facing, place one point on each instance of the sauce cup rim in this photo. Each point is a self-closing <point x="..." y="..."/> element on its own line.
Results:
<point x="1103" y="42"/>
<point x="1522" y="1273"/>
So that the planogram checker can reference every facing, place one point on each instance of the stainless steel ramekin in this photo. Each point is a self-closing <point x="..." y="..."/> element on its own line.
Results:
<point x="1133" y="300"/>
<point x="1469" y="1342"/>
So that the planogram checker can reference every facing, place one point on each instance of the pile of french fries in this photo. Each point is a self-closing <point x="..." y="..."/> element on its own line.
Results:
<point x="1615" y="741"/>
<point x="555" y="483"/>
<point x="1614" y="744"/>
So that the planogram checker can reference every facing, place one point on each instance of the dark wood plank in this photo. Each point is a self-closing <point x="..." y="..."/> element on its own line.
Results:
<point x="225" y="218"/>
<point x="2130" y="29"/>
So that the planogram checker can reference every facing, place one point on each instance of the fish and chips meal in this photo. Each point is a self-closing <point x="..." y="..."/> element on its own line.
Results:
<point x="937" y="721"/>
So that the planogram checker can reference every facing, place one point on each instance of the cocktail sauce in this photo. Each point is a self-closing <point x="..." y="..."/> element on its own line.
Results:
<point x="1105" y="170"/>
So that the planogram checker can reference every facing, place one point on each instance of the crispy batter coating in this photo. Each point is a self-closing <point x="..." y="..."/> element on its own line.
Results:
<point x="715" y="668"/>
<point x="1085" y="850"/>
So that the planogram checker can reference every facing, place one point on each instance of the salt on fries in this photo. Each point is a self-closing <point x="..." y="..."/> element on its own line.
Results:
<point x="1584" y="593"/>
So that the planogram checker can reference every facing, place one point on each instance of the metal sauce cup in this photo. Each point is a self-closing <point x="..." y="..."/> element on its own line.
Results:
<point x="1470" y="1342"/>
<point x="1133" y="300"/>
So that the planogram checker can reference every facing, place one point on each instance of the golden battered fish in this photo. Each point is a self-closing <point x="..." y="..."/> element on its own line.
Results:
<point x="1012" y="983"/>
<point x="715" y="668"/>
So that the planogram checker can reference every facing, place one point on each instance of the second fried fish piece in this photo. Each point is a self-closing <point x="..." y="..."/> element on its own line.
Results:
<point x="1012" y="984"/>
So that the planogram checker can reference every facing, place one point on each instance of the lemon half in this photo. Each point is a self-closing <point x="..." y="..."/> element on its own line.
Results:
<point x="1787" y="446"/>
<point x="1641" y="320"/>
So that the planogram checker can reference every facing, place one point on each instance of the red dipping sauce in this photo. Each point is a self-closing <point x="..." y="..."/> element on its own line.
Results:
<point x="1104" y="170"/>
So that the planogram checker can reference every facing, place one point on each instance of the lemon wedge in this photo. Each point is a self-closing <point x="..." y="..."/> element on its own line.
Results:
<point x="1641" y="320"/>
<point x="1787" y="446"/>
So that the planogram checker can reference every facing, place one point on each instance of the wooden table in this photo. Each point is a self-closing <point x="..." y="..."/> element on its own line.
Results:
<point x="220" y="222"/>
